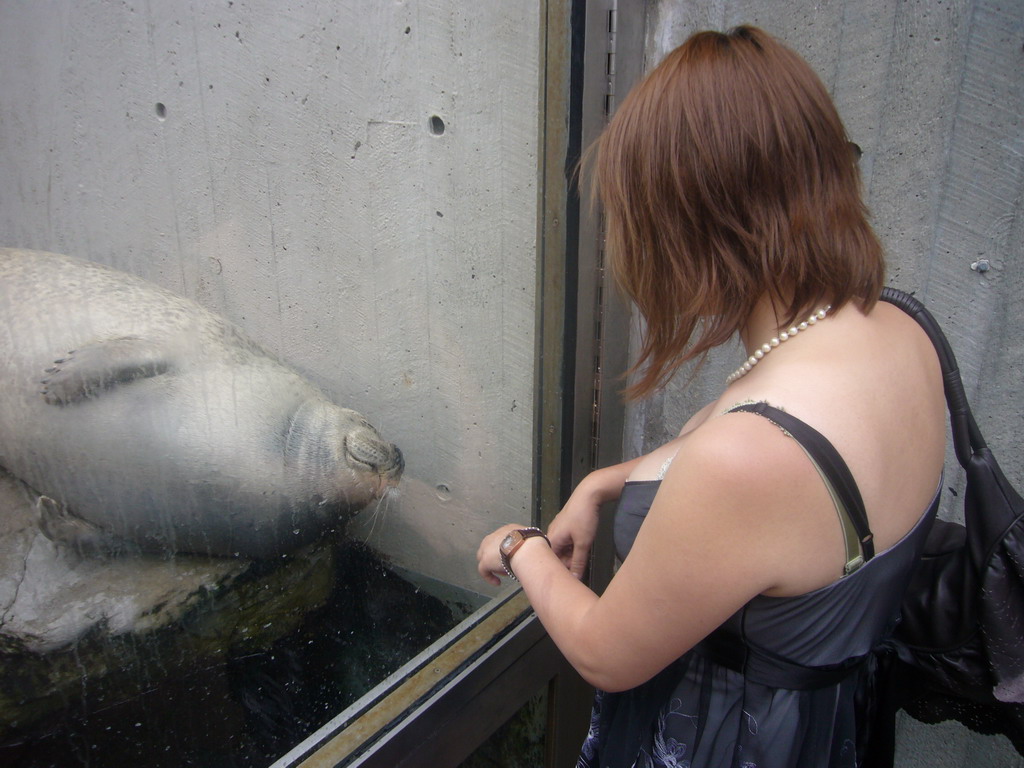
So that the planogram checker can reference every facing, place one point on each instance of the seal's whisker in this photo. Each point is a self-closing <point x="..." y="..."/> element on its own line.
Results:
<point x="378" y="512"/>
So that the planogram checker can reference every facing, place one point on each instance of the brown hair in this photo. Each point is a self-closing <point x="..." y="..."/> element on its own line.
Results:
<point x="726" y="175"/>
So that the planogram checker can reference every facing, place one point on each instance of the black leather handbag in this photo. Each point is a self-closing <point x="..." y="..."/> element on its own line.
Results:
<point x="959" y="649"/>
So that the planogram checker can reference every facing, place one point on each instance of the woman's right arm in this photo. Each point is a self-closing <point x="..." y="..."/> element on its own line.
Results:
<point x="573" y="530"/>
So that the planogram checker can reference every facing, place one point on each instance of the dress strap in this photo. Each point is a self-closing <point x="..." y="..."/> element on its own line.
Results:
<point x="837" y="477"/>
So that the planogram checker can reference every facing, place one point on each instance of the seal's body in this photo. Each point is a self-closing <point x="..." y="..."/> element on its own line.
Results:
<point x="146" y="419"/>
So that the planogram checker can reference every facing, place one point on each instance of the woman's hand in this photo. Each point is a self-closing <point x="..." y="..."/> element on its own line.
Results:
<point x="488" y="556"/>
<point x="573" y="531"/>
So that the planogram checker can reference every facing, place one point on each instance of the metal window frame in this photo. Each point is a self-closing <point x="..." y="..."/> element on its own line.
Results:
<point x="422" y="714"/>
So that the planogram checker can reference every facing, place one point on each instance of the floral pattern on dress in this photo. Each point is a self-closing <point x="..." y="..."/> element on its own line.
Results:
<point x="589" y="750"/>
<point x="667" y="752"/>
<point x="751" y="725"/>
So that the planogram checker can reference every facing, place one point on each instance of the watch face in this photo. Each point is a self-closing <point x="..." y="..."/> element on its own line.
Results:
<point x="507" y="542"/>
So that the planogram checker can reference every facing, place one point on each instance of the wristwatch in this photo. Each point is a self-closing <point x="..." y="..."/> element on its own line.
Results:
<point x="513" y="542"/>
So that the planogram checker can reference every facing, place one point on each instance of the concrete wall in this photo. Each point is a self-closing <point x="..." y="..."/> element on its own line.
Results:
<point x="933" y="92"/>
<point x="353" y="183"/>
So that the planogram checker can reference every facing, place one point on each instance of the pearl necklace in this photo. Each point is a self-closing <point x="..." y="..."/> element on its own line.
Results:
<point x="775" y="341"/>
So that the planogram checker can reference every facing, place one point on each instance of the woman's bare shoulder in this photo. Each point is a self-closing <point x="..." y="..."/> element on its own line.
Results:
<point x="740" y="479"/>
<point x="740" y="461"/>
<point x="721" y="429"/>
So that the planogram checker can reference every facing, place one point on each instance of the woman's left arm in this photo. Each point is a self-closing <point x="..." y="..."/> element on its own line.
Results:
<point x="718" y="533"/>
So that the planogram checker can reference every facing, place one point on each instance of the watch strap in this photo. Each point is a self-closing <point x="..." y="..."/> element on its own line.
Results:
<point x="523" y="535"/>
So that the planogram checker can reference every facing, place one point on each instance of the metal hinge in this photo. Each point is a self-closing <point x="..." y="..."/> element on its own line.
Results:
<point x="609" y="69"/>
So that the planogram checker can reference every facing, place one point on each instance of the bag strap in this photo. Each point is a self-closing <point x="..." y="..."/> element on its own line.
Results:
<point x="859" y="540"/>
<point x="967" y="438"/>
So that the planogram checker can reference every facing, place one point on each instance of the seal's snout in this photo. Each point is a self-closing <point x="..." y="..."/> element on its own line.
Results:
<point x="368" y="448"/>
<point x="399" y="459"/>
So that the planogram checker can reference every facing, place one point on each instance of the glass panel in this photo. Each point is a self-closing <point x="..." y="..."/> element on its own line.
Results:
<point x="204" y="556"/>
<point x="383" y="726"/>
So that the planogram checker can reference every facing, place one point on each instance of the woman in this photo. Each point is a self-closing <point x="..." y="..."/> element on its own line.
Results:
<point x="734" y="630"/>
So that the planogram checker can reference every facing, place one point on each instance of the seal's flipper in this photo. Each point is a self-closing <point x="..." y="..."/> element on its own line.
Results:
<point x="87" y="371"/>
<point x="65" y="528"/>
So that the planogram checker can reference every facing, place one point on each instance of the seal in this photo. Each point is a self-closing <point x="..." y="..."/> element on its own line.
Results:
<point x="146" y="422"/>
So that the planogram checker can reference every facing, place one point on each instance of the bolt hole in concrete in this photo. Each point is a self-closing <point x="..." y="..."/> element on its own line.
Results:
<point x="161" y="111"/>
<point x="436" y="125"/>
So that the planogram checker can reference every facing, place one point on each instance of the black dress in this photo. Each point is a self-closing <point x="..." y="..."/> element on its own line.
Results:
<point x="777" y="686"/>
